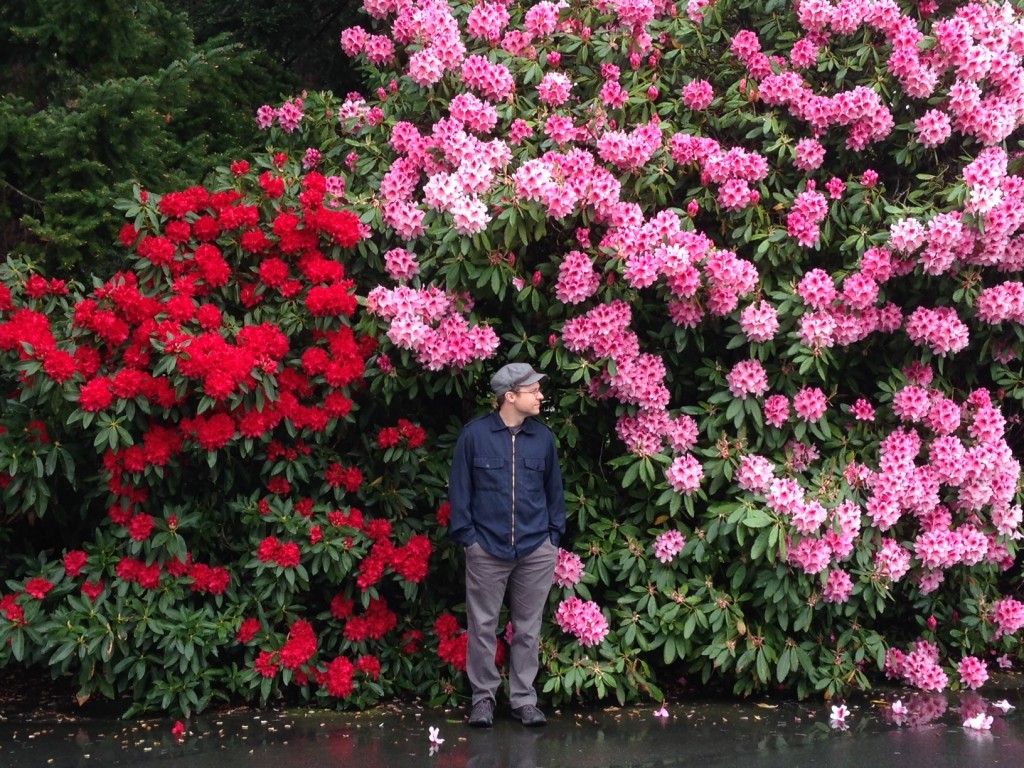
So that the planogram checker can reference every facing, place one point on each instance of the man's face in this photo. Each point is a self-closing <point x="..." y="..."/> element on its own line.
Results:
<point x="527" y="400"/>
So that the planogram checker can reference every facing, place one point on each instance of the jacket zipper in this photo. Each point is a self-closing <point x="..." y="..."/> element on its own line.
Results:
<point x="513" y="491"/>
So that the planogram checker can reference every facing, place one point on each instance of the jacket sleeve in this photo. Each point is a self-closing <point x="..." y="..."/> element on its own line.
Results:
<point x="460" y="492"/>
<point x="555" y="494"/>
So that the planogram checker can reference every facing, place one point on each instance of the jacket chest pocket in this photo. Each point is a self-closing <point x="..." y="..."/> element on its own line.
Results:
<point x="490" y="473"/>
<point x="532" y="476"/>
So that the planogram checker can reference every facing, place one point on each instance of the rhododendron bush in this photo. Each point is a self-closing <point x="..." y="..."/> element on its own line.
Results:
<point x="769" y="257"/>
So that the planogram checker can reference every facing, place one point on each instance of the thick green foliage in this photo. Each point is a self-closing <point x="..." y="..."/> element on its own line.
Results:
<point x="863" y="481"/>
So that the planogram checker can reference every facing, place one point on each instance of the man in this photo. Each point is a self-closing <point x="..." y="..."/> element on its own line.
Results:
<point x="508" y="510"/>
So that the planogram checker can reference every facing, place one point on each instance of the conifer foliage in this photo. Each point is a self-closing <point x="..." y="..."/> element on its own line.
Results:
<point x="96" y="96"/>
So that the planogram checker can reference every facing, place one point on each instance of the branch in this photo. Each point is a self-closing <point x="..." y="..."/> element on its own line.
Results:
<point x="22" y="194"/>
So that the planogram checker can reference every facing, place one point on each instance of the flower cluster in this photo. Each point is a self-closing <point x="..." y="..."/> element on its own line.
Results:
<point x="452" y="641"/>
<point x="582" y="618"/>
<point x="668" y="544"/>
<point x="430" y="323"/>
<point x="569" y="569"/>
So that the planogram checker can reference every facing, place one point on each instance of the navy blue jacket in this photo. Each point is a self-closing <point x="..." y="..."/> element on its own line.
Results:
<point x="506" y="493"/>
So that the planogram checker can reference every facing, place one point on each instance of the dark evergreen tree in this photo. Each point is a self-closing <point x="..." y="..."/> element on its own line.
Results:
<point x="98" y="95"/>
<point x="301" y="37"/>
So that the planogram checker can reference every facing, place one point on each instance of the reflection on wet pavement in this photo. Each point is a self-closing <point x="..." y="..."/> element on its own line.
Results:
<point x="920" y="731"/>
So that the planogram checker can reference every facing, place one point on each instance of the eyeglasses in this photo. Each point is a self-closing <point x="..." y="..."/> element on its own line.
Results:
<point x="535" y="392"/>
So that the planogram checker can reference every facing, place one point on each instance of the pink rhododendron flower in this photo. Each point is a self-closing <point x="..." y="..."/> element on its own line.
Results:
<point x="747" y="377"/>
<point x="685" y="473"/>
<point x="582" y="619"/>
<point x="759" y="321"/>
<point x="569" y="569"/>
<point x="973" y="673"/>
<point x="668" y="544"/>
<point x="810" y="404"/>
<point x="698" y="95"/>
<point x="755" y="473"/>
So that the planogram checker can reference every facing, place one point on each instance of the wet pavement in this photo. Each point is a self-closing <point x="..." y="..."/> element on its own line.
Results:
<point x="710" y="734"/>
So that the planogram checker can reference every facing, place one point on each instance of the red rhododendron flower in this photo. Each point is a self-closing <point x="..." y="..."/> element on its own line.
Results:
<point x="268" y="549"/>
<point x="177" y="566"/>
<point x="341" y="606"/>
<point x="74" y="562"/>
<point x="159" y="250"/>
<point x="211" y="579"/>
<point x="35" y="286"/>
<point x="369" y="666"/>
<point x="272" y="185"/>
<point x="38" y="587"/>
<point x="178" y="231"/>
<point x="10" y="608"/>
<point x="372" y="625"/>
<point x="338" y="679"/>
<point x="446" y="625"/>
<point x="88" y="361"/>
<point x="95" y="395"/>
<point x="337" y="405"/>
<point x="413" y="434"/>
<point x="444" y="513"/>
<point x="273" y="272"/>
<point x="332" y="300"/>
<point x="388" y="437"/>
<point x="161" y="444"/>
<point x="378" y="529"/>
<point x="342" y="227"/>
<point x="350" y="478"/>
<point x="132" y="570"/>
<point x="411" y="561"/>
<point x="215" y="270"/>
<point x="128" y="235"/>
<point x="289" y="555"/>
<point x="266" y="664"/>
<point x="300" y="645"/>
<point x="119" y="514"/>
<point x="129" y="383"/>
<point x="452" y="650"/>
<point x="213" y="432"/>
<point x="317" y="269"/>
<point x="248" y="630"/>
<point x="92" y="589"/>
<point x="411" y="642"/>
<point x="140" y="527"/>
<point x="315" y="361"/>
<point x="206" y="229"/>
<point x="372" y="566"/>
<point x="179" y="204"/>
<point x="208" y="316"/>
<point x="279" y="485"/>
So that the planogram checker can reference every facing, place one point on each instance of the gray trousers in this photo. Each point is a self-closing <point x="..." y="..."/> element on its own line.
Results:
<point x="528" y="581"/>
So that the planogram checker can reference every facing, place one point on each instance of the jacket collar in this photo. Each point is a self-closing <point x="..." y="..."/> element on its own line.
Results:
<point x="497" y="424"/>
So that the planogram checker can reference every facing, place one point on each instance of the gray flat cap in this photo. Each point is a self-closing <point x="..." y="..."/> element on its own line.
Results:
<point x="514" y="376"/>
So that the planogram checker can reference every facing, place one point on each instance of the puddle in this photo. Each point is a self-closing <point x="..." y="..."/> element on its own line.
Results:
<point x="929" y="734"/>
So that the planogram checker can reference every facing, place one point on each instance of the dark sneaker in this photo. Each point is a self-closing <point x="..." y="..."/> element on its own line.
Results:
<point x="482" y="714"/>
<point x="529" y="716"/>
